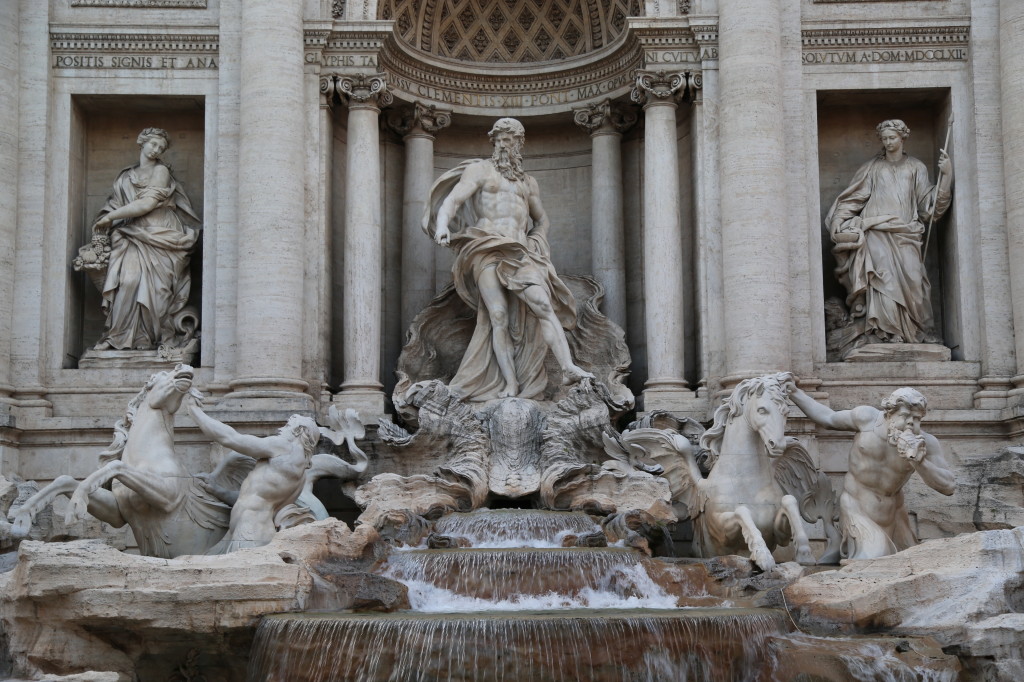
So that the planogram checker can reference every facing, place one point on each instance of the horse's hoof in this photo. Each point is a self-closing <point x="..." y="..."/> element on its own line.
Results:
<point x="805" y="558"/>
<point x="21" y="524"/>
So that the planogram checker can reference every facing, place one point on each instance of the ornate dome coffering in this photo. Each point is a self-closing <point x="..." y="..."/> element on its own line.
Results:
<point x="508" y="31"/>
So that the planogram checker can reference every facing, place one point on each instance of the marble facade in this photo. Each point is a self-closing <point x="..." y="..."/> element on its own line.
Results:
<point x="307" y="133"/>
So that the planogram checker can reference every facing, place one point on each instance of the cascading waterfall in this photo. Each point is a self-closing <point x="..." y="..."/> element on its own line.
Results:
<point x="594" y="646"/>
<point x="516" y="606"/>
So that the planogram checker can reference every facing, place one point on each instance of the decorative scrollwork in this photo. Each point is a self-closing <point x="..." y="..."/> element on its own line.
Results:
<point x="605" y="116"/>
<point x="420" y="118"/>
<point x="362" y="89"/>
<point x="662" y="85"/>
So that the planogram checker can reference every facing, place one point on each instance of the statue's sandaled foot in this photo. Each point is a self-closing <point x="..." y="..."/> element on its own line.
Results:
<point x="511" y="390"/>
<point x="103" y="345"/>
<point x="573" y="374"/>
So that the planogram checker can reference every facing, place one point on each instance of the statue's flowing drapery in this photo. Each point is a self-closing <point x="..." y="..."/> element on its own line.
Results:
<point x="887" y="205"/>
<point x="519" y="263"/>
<point x="147" y="279"/>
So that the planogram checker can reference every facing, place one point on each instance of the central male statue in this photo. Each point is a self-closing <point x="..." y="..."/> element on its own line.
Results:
<point x="483" y="209"/>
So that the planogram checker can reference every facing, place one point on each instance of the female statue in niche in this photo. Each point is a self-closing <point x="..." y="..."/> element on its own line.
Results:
<point x="878" y="228"/>
<point x="151" y="229"/>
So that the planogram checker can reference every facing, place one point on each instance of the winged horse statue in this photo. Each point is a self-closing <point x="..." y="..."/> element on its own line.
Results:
<point x="145" y="483"/>
<point x="761" y="483"/>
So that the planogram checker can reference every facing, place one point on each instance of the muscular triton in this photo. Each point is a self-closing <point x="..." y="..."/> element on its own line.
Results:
<point x="888" y="448"/>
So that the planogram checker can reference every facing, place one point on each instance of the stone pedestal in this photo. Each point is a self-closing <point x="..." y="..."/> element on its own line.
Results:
<point x="899" y="352"/>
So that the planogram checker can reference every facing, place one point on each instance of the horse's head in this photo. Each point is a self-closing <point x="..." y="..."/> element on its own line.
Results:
<point x="764" y="408"/>
<point x="165" y="390"/>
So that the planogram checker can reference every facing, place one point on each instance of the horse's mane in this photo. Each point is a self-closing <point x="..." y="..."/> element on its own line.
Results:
<point x="124" y="425"/>
<point x="711" y="440"/>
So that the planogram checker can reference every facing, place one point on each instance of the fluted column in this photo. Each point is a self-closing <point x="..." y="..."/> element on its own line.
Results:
<point x="9" y="84"/>
<point x="1011" y="68"/>
<point x="271" y="205"/>
<point x="658" y="92"/>
<point x="753" y="190"/>
<point x="606" y="123"/>
<point x="417" y="125"/>
<point x="361" y="387"/>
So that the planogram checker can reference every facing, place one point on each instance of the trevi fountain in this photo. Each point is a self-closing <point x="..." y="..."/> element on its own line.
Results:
<point x="511" y="340"/>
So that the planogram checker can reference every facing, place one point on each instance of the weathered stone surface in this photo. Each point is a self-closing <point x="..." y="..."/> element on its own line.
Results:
<point x="963" y="591"/>
<point x="71" y="608"/>
<point x="989" y="495"/>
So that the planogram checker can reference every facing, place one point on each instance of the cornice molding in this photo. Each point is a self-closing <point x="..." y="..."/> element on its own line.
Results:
<point x="135" y="43"/>
<point x="885" y="36"/>
<point x="142" y="4"/>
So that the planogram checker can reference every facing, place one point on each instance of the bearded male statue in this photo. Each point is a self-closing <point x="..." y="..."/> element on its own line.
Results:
<point x="489" y="212"/>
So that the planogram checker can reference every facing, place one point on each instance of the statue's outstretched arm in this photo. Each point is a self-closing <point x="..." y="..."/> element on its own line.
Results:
<point x="934" y="469"/>
<point x="253" y="446"/>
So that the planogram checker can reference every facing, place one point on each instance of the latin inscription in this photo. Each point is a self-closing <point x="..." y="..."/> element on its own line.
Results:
<point x="342" y="60"/>
<point x="538" y="99"/>
<point x="104" y="61"/>
<point x="942" y="54"/>
<point x="680" y="56"/>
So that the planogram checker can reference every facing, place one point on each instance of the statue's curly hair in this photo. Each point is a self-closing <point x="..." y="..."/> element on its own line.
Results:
<point x="149" y="133"/>
<point x="893" y="124"/>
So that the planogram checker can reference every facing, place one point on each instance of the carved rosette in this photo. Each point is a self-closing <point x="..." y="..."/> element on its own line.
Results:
<point x="419" y="119"/>
<point x="605" y="117"/>
<point x="366" y="90"/>
<point x="662" y="86"/>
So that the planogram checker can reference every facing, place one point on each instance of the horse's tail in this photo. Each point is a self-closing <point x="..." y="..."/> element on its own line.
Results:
<point x="797" y="475"/>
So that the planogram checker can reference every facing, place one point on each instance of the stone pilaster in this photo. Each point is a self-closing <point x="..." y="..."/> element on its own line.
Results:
<point x="417" y="125"/>
<point x="271" y="207"/>
<point x="1011" y="66"/>
<point x="9" y="84"/>
<point x="361" y="387"/>
<point x="659" y="93"/>
<point x="755" y="249"/>
<point x="606" y="122"/>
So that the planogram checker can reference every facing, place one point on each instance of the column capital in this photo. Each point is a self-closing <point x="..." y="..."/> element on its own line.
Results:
<point x="366" y="90"/>
<point x="419" y="119"/>
<point x="666" y="87"/>
<point x="605" y="117"/>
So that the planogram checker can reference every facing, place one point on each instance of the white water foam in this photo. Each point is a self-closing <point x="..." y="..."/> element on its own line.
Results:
<point x="643" y="593"/>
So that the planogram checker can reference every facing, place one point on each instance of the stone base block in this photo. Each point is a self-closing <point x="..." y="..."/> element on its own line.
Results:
<point x="681" y="402"/>
<point x="899" y="352"/>
<point x="133" y="359"/>
<point x="369" y="403"/>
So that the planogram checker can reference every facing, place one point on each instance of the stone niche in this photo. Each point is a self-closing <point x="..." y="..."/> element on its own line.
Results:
<point x="847" y="139"/>
<point x="103" y="137"/>
<point x="558" y="154"/>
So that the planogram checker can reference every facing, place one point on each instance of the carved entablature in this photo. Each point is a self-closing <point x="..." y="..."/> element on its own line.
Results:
<point x="135" y="51"/>
<point x="885" y="45"/>
<point x="506" y="89"/>
<point x="144" y="4"/>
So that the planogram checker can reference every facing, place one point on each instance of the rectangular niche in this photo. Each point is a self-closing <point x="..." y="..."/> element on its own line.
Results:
<point x="847" y="139"/>
<point x="104" y="130"/>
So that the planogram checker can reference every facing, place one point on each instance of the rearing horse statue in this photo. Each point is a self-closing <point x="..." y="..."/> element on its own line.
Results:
<point x="143" y="482"/>
<point x="760" y="485"/>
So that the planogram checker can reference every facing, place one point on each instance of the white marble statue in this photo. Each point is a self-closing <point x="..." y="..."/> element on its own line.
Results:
<point x="145" y="483"/>
<point x="878" y="226"/>
<point x="888" y="448"/>
<point x="150" y="229"/>
<point x="761" y="484"/>
<point x="277" y="479"/>
<point x="489" y="211"/>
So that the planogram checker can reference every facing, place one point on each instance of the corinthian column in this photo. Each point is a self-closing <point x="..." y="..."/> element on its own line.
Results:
<point x="658" y="92"/>
<point x="1011" y="66"/>
<point x="606" y="123"/>
<point x="755" y="249"/>
<point x="417" y="125"/>
<point x="361" y="387"/>
<point x="271" y="205"/>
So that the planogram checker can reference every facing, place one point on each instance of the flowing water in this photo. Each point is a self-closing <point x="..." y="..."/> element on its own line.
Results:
<point x="516" y="606"/>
